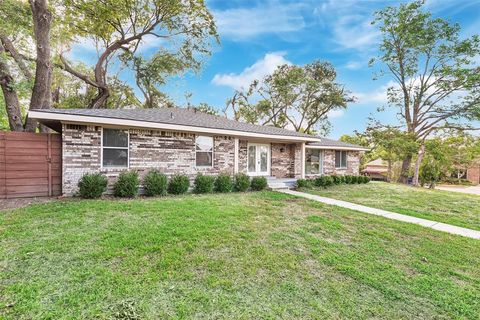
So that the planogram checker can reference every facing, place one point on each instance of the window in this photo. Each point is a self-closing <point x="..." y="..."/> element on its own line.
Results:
<point x="313" y="161"/>
<point x="114" y="148"/>
<point x="340" y="159"/>
<point x="204" y="151"/>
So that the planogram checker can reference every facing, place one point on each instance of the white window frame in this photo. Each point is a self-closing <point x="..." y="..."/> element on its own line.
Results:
<point x="269" y="160"/>
<point x="106" y="147"/>
<point x="321" y="155"/>
<point x="346" y="159"/>
<point x="213" y="151"/>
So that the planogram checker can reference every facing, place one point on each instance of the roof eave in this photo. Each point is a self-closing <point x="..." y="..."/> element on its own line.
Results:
<point x="82" y="119"/>
<point x="337" y="148"/>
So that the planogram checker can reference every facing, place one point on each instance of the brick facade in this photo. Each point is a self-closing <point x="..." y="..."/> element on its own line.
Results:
<point x="353" y="163"/>
<point x="174" y="152"/>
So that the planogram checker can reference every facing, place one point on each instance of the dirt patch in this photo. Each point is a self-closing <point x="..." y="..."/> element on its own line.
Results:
<point x="6" y="204"/>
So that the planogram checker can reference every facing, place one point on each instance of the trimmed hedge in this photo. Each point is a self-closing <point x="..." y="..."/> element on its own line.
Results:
<point x="155" y="184"/>
<point x="223" y="183"/>
<point x="242" y="182"/>
<point x="178" y="184"/>
<point x="92" y="185"/>
<point x="304" y="183"/>
<point x="127" y="185"/>
<point x="203" y="184"/>
<point x="258" y="183"/>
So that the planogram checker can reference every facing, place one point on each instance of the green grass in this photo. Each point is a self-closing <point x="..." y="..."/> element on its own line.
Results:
<point x="239" y="256"/>
<point x="458" y="209"/>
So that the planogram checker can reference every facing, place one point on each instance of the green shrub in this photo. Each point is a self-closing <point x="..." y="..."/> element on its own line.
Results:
<point x="92" y="185"/>
<point x="203" y="184"/>
<point x="178" y="184"/>
<point x="337" y="179"/>
<point x="258" y="183"/>
<point x="155" y="184"/>
<point x="319" y="181"/>
<point x="223" y="183"/>
<point x="242" y="182"/>
<point x="365" y="179"/>
<point x="328" y="181"/>
<point x="126" y="185"/>
<point x="304" y="183"/>
<point x="348" y="179"/>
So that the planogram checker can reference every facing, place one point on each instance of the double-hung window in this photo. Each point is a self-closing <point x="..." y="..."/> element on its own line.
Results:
<point x="115" y="148"/>
<point x="340" y="159"/>
<point x="203" y="151"/>
<point x="313" y="161"/>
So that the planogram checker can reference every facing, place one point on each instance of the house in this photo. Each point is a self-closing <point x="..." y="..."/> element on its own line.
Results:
<point x="376" y="169"/>
<point x="175" y="140"/>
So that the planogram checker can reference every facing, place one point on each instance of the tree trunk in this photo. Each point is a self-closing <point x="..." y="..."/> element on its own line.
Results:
<point x="405" y="169"/>
<point x="100" y="100"/>
<point x="10" y="97"/>
<point x="418" y="163"/>
<point x="41" y="94"/>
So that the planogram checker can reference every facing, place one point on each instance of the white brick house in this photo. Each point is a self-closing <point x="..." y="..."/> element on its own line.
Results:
<point x="185" y="141"/>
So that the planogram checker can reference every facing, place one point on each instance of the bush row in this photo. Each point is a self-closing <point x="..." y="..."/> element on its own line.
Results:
<point x="157" y="184"/>
<point x="326" y="181"/>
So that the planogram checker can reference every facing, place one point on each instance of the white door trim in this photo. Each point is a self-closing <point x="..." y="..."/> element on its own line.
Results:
<point x="257" y="163"/>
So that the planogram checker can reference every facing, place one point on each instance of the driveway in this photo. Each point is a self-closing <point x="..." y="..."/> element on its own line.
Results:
<point x="461" y="189"/>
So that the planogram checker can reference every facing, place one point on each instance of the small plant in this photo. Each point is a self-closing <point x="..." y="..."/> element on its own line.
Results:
<point x="179" y="184"/>
<point x="328" y="181"/>
<point x="242" y="182"/>
<point x="337" y="179"/>
<point x="348" y="179"/>
<point x="258" y="183"/>
<point x="223" y="183"/>
<point x="126" y="185"/>
<point x="203" y="184"/>
<point x="155" y="184"/>
<point x="92" y="185"/>
<point x="366" y="179"/>
<point x="304" y="184"/>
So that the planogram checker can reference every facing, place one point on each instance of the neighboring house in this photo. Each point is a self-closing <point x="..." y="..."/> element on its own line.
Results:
<point x="473" y="173"/>
<point x="376" y="169"/>
<point x="175" y="140"/>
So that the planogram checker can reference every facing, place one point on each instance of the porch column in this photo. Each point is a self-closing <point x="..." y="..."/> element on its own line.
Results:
<point x="235" y="156"/>
<point x="302" y="159"/>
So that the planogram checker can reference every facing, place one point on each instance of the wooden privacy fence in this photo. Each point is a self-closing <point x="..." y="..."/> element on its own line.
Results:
<point x="30" y="164"/>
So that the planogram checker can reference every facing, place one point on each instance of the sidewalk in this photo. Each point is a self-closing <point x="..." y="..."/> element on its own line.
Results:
<point x="390" y="215"/>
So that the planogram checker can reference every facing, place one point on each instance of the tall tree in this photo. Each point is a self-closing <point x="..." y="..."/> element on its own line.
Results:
<point x="300" y="97"/>
<point x="20" y="25"/>
<point x="119" y="27"/>
<point x="436" y="80"/>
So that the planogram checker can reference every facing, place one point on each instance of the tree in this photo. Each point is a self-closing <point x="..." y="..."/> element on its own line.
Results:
<point x="436" y="81"/>
<point x="30" y="23"/>
<point x="293" y="96"/>
<point x="120" y="27"/>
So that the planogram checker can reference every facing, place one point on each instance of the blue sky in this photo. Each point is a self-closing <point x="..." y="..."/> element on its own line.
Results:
<point x="256" y="36"/>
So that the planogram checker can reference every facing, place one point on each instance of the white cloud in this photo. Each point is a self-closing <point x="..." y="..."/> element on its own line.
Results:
<point x="258" y="70"/>
<point x="336" y="113"/>
<point x="272" y="17"/>
<point x="354" y="65"/>
<point x="377" y="96"/>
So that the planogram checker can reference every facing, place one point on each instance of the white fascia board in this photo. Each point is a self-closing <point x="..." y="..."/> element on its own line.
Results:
<point x="77" y="119"/>
<point x="336" y="148"/>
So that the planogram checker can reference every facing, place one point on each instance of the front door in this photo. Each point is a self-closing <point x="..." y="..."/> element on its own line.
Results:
<point x="258" y="159"/>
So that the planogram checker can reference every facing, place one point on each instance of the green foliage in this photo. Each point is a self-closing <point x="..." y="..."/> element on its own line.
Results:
<point x="258" y="183"/>
<point x="203" y="184"/>
<point x="178" y="184"/>
<point x="348" y="179"/>
<point x="155" y="183"/>
<point x="296" y="96"/>
<point x="323" y="181"/>
<point x="223" y="183"/>
<point x="337" y="179"/>
<point x="126" y="185"/>
<point x="304" y="184"/>
<point x="92" y="185"/>
<point x="242" y="182"/>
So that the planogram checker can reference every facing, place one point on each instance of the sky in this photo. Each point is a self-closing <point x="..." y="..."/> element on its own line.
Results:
<point x="257" y="36"/>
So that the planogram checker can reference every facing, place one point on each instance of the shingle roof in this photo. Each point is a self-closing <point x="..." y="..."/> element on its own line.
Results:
<point x="179" y="116"/>
<point x="325" y="142"/>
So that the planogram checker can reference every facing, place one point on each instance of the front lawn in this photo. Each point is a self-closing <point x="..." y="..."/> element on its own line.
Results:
<point x="237" y="256"/>
<point x="459" y="209"/>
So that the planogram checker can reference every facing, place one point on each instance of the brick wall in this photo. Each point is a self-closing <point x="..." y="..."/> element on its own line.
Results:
<point x="169" y="152"/>
<point x="473" y="174"/>
<point x="282" y="164"/>
<point x="353" y="163"/>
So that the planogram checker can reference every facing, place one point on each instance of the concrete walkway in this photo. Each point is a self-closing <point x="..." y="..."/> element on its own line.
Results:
<point x="461" y="189"/>
<point x="390" y="215"/>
